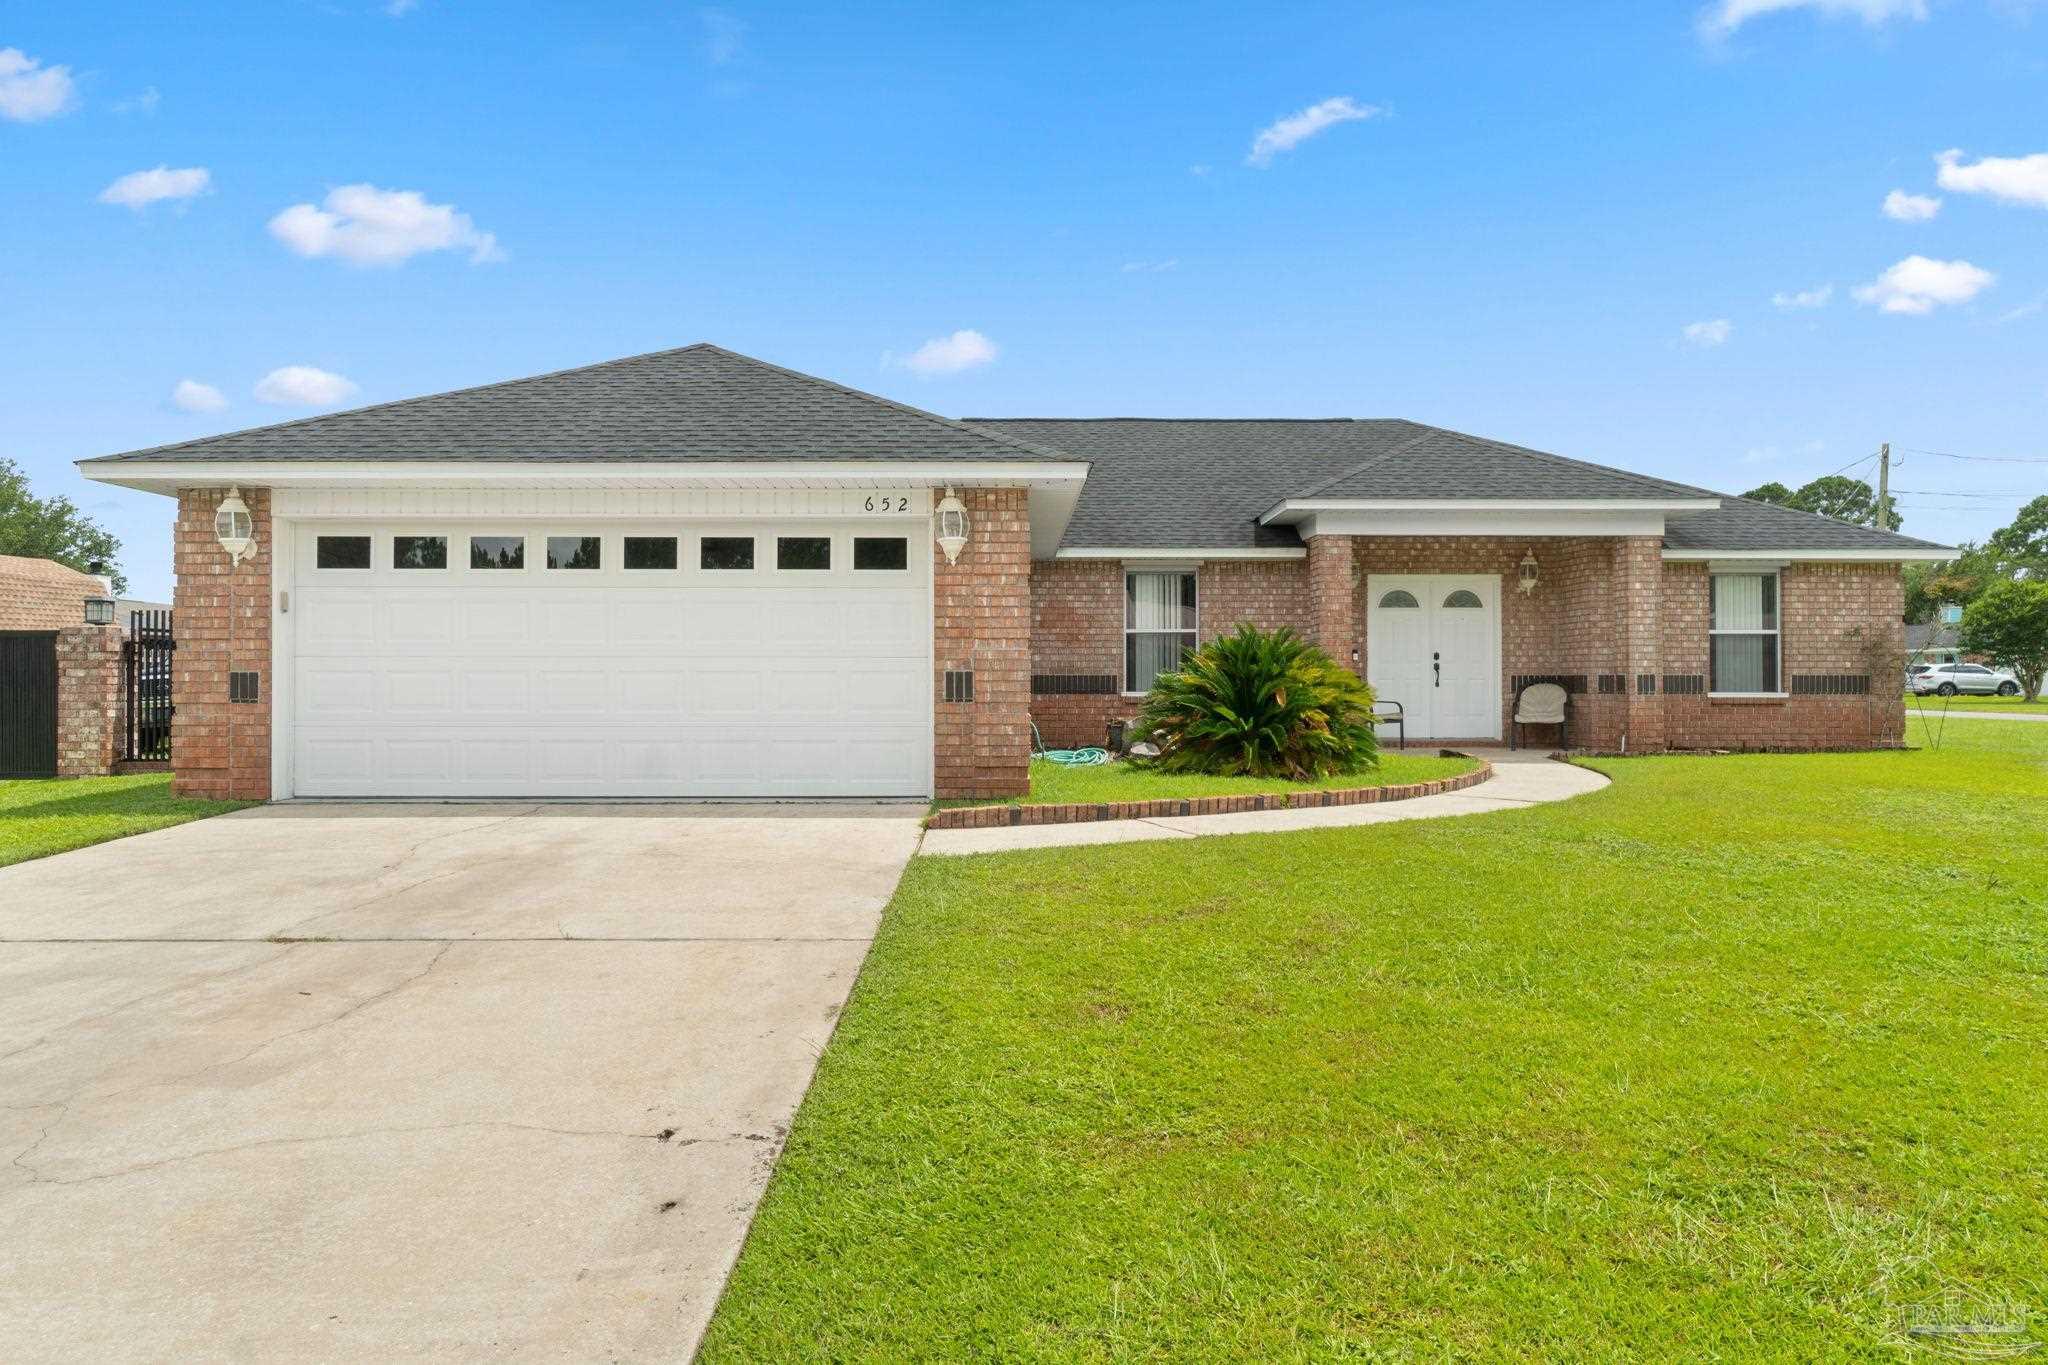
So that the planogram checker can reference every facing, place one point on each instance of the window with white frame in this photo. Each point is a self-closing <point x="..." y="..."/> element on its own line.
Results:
<point x="1742" y="634"/>
<point x="1159" y="624"/>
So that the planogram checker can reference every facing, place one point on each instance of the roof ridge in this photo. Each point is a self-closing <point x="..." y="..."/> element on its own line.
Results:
<point x="1271" y="421"/>
<point x="994" y="437"/>
<point x="400" y="402"/>
<point x="951" y="423"/>
<point x="1389" y="453"/>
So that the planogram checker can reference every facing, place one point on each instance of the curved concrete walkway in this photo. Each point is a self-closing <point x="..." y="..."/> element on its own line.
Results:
<point x="1520" y="778"/>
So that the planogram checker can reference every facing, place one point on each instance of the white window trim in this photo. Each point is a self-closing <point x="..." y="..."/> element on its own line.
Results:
<point x="1777" y="633"/>
<point x="1123" y="665"/>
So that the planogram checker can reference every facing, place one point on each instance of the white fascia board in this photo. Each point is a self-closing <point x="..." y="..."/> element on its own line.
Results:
<point x="1513" y="523"/>
<point x="1293" y="509"/>
<point x="1184" y="554"/>
<point x="1872" y="556"/>
<point x="168" y="476"/>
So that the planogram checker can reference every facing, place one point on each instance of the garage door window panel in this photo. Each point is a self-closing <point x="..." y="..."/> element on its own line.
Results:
<point x="803" y="554"/>
<point x="419" y="552"/>
<point x="575" y="552"/>
<point x="726" y="554"/>
<point x="497" y="552"/>
<point x="881" y="554"/>
<point x="341" y="552"/>
<point x="650" y="553"/>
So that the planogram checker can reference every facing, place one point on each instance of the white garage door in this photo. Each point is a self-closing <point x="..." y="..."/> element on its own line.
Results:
<point x="677" y="659"/>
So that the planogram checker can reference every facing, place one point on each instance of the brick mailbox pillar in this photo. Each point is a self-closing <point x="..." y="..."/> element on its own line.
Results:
<point x="88" y="700"/>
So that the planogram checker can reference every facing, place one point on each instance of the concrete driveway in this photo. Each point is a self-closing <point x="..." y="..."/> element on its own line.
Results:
<point x="394" y="1081"/>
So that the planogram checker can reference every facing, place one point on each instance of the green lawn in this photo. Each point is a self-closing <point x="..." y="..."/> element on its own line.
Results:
<point x="1933" y="705"/>
<point x="1056" y="784"/>
<point x="1731" y="1060"/>
<point x="41" y="818"/>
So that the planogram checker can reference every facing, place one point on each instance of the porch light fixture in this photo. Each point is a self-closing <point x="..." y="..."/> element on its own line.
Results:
<point x="1528" y="578"/>
<point x="99" y="611"/>
<point x="234" y="527"/>
<point x="952" y="518"/>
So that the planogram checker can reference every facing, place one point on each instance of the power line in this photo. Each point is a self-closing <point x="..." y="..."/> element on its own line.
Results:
<point x="1946" y="493"/>
<point x="1982" y="459"/>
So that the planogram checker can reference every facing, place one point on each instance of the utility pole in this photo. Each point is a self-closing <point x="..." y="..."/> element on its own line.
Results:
<point x="1884" y="484"/>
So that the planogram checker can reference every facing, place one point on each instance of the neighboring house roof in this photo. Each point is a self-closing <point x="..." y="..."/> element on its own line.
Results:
<point x="1932" y="636"/>
<point x="41" y="594"/>
<point x="699" y="402"/>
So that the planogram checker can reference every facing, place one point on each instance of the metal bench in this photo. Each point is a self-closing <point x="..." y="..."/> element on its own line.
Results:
<point x="1398" y="718"/>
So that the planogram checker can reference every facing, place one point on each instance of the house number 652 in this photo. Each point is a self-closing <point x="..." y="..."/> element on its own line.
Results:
<point x="885" y="504"/>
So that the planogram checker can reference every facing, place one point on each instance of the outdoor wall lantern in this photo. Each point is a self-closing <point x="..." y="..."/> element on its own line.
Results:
<point x="99" y="611"/>
<point x="1529" y="575"/>
<point x="952" y="517"/>
<point x="234" y="527"/>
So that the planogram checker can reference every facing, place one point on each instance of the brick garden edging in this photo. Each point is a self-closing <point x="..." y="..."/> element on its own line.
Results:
<point x="989" y="817"/>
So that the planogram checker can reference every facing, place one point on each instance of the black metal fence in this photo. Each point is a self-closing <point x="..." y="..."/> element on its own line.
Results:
<point x="28" y="703"/>
<point x="146" y="678"/>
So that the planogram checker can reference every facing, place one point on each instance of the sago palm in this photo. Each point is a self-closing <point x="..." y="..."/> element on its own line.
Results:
<point x="1254" y="704"/>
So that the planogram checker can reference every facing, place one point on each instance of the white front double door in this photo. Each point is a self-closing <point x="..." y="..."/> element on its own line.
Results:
<point x="1432" y="643"/>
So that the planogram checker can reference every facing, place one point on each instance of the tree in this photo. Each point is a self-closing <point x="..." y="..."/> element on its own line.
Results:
<point x="52" y="528"/>
<point x="1959" y="580"/>
<point x="2009" y="625"/>
<point x="2024" y="544"/>
<point x="1836" y="495"/>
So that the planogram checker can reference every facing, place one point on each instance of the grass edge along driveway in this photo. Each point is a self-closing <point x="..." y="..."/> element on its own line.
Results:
<point x="1736" y="1058"/>
<point x="41" y="816"/>
<point x="1059" y="783"/>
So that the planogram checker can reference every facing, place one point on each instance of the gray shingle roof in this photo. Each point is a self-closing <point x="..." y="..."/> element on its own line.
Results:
<point x="700" y="402"/>
<point x="1740" y="524"/>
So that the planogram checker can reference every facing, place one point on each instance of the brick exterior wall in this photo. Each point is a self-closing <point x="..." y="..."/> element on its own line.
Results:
<point x="1833" y="619"/>
<point x="982" y="621"/>
<point x="1603" y="606"/>
<point x="1077" y="628"/>
<point x="38" y="594"/>
<point x="1333" y="615"/>
<point x="220" y="748"/>
<point x="89" y="700"/>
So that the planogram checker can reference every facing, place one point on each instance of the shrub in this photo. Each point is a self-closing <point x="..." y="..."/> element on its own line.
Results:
<point x="1259" y="705"/>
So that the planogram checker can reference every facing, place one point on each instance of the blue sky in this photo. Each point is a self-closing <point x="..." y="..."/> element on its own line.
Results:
<point x="1504" y="219"/>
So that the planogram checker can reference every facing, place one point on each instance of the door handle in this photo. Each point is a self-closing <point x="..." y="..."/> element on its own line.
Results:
<point x="1436" y="664"/>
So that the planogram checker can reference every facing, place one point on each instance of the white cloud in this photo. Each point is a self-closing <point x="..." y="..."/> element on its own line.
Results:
<point x="2009" y="179"/>
<point x="1295" y="129"/>
<point x="964" y="350"/>
<point x="1910" y="208"/>
<point x="724" y="35"/>
<point x="1804" y="298"/>
<point x="1713" y="332"/>
<point x="30" y="91"/>
<point x="139" y="189"/>
<point x="193" y="396"/>
<point x="144" y="103"/>
<point x="398" y="9"/>
<point x="1725" y="16"/>
<point x="364" y="225"/>
<point x="303" y="386"/>
<point x="1150" y="267"/>
<point x="1200" y="168"/>
<point x="1918" y="285"/>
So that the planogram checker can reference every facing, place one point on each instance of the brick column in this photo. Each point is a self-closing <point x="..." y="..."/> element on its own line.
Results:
<point x="1332" y="621"/>
<point x="1639" y="631"/>
<point x="88" y="700"/>
<point x="981" y="621"/>
<point x="220" y="748"/>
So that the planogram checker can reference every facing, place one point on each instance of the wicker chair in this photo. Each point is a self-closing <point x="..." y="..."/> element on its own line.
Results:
<point x="1542" y="703"/>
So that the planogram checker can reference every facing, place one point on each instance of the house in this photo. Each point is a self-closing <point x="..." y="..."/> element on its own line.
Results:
<point x="41" y="594"/>
<point x="692" y="573"/>
<point x="1936" y="642"/>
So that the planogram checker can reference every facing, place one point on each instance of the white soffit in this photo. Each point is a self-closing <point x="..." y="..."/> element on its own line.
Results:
<point x="1455" y="519"/>
<point x="1905" y="554"/>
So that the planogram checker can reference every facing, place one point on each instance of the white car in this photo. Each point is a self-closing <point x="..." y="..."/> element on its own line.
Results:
<point x="1948" y="679"/>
